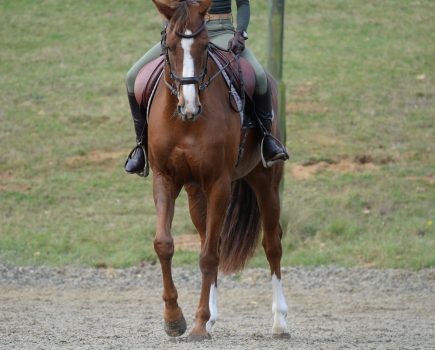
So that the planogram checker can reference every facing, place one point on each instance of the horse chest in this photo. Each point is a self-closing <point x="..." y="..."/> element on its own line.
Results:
<point x="183" y="160"/>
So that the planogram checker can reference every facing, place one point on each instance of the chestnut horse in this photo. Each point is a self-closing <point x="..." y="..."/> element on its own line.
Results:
<point x="193" y="142"/>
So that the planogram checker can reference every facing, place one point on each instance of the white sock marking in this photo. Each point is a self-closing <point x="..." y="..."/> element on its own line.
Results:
<point x="189" y="91"/>
<point x="212" y="304"/>
<point x="279" y="308"/>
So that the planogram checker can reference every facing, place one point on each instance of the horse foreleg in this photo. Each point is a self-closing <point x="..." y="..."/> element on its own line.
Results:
<point x="165" y="192"/>
<point x="217" y="202"/>
<point x="265" y="183"/>
<point x="198" y="213"/>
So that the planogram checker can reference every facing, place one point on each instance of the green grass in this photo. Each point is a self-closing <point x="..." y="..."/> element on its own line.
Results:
<point x="360" y="89"/>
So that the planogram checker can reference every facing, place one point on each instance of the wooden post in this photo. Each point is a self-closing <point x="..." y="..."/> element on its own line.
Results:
<point x="275" y="53"/>
<point x="275" y="66"/>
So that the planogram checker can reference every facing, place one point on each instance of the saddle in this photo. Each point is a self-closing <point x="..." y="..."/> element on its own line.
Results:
<point x="242" y="77"/>
<point x="239" y="79"/>
<point x="147" y="79"/>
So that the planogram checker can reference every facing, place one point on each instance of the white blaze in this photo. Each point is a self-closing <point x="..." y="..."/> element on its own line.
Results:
<point x="279" y="308"/>
<point x="212" y="304"/>
<point x="189" y="91"/>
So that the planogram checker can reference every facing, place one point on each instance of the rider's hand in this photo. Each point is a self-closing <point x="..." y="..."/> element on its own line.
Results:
<point x="237" y="44"/>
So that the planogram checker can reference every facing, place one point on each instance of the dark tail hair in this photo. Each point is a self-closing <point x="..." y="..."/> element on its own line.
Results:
<point x="241" y="231"/>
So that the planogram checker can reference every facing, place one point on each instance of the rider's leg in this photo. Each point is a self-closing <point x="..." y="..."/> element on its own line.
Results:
<point x="220" y="32"/>
<point x="136" y="162"/>
<point x="222" y="40"/>
<point x="272" y="150"/>
<point x="150" y="55"/>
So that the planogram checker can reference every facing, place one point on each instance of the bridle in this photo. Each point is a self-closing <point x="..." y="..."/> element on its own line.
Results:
<point x="197" y="79"/>
<point x="200" y="79"/>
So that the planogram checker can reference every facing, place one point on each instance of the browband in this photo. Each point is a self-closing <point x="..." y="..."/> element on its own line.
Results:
<point x="193" y="35"/>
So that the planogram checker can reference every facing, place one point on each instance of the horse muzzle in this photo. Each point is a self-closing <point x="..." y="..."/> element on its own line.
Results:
<point x="189" y="113"/>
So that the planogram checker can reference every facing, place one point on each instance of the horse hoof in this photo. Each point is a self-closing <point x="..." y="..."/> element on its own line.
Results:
<point x="176" y="328"/>
<point x="198" y="338"/>
<point x="281" y="336"/>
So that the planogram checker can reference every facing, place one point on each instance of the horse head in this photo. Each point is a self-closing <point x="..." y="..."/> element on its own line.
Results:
<point x="185" y="44"/>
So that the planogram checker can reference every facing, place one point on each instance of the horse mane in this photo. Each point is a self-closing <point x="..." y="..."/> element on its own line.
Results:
<point x="181" y="18"/>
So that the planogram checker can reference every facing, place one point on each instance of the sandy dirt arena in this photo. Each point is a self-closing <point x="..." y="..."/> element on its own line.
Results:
<point x="329" y="308"/>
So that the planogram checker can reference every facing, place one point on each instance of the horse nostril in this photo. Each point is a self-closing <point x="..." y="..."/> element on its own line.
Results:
<point x="199" y="110"/>
<point x="180" y="109"/>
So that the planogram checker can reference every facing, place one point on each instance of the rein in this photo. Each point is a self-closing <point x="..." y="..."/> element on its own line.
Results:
<point x="204" y="85"/>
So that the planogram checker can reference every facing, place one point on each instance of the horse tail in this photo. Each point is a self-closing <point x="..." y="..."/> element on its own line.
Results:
<point x="241" y="231"/>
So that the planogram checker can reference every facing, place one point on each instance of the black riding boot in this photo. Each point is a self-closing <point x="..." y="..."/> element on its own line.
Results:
<point x="272" y="151"/>
<point x="137" y="162"/>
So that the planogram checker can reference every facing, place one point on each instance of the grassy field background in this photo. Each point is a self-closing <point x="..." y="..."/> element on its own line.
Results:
<point x="360" y="186"/>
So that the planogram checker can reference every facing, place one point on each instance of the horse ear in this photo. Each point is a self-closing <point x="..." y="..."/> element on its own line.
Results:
<point x="204" y="5"/>
<point x="164" y="8"/>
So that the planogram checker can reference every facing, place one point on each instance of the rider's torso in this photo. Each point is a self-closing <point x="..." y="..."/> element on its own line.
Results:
<point x="220" y="6"/>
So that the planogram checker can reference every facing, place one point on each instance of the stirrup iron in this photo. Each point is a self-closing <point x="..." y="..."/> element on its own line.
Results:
<point x="145" y="171"/>
<point x="280" y="157"/>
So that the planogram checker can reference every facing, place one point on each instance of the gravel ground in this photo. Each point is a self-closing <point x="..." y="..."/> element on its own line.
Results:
<point x="329" y="308"/>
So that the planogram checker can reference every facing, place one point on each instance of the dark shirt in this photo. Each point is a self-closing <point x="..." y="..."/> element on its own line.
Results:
<point x="243" y="11"/>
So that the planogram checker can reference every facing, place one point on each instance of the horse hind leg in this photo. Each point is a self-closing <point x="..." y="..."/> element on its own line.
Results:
<point x="265" y="183"/>
<point x="198" y="213"/>
<point x="165" y="192"/>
